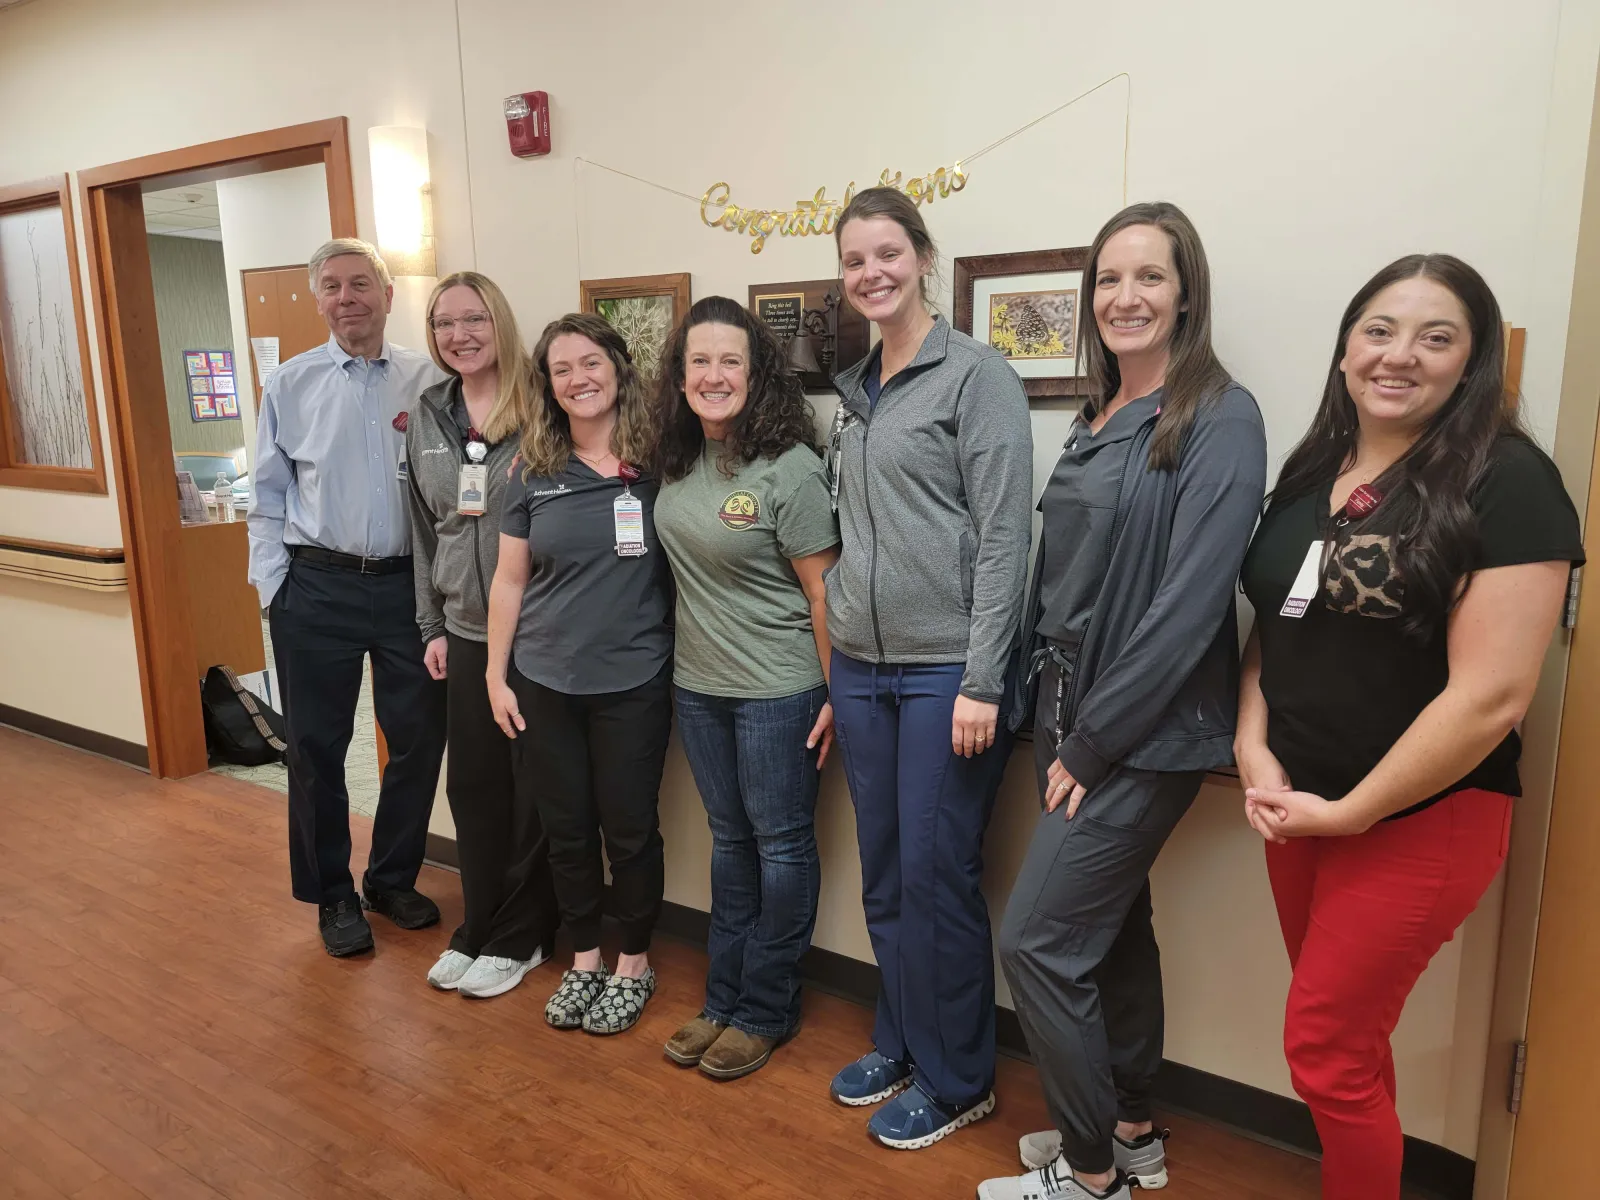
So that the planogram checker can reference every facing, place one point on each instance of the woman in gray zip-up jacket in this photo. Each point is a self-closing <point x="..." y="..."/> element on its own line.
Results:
<point x="1133" y="655"/>
<point x="932" y="454"/>
<point x="461" y="439"/>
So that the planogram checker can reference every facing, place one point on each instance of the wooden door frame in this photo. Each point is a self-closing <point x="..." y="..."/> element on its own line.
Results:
<point x="1553" y="755"/>
<point x="110" y="198"/>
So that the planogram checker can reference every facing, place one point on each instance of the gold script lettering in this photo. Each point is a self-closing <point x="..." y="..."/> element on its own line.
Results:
<point x="817" y="216"/>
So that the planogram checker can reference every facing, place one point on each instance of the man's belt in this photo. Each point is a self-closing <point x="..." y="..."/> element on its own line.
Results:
<point x="353" y="562"/>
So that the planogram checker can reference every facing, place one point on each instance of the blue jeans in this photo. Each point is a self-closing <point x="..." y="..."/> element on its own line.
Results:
<point x="759" y="785"/>
<point x="921" y="811"/>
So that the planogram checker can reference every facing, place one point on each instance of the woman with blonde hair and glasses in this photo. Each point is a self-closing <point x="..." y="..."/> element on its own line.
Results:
<point x="580" y="653"/>
<point x="460" y="441"/>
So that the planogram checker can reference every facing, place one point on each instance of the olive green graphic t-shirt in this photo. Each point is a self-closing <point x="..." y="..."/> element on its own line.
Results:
<point x="744" y="627"/>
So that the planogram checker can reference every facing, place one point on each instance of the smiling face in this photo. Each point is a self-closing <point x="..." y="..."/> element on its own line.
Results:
<point x="1137" y="292"/>
<point x="353" y="302"/>
<point x="582" y="376"/>
<point x="1405" y="355"/>
<point x="716" y="375"/>
<point x="881" y="271"/>
<point x="467" y="342"/>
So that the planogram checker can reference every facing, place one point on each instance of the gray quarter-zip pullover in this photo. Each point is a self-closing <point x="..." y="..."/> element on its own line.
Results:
<point x="935" y="485"/>
<point x="454" y="557"/>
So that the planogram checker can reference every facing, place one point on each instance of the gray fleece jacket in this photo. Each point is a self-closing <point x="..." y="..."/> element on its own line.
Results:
<point x="454" y="557"/>
<point x="1156" y="680"/>
<point x="935" y="492"/>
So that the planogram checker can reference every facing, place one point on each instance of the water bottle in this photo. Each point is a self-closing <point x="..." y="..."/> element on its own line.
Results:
<point x="222" y="492"/>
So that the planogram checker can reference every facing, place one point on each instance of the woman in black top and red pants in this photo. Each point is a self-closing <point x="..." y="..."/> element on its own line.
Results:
<point x="1407" y="578"/>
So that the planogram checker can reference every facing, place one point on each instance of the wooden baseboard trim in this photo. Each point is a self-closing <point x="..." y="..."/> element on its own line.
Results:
<point x="103" y="744"/>
<point x="1251" y="1111"/>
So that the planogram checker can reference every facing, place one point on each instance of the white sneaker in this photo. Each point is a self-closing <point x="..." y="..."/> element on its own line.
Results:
<point x="491" y="976"/>
<point x="447" y="972"/>
<point x="1053" y="1181"/>
<point x="1144" y="1160"/>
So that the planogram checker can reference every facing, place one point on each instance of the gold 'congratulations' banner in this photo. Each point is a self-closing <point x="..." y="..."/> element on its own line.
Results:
<point x="818" y="215"/>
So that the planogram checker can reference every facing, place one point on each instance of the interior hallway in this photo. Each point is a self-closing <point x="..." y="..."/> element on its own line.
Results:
<point x="171" y="1028"/>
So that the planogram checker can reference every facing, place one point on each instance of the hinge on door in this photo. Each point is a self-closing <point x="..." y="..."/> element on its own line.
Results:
<point x="1569" y="617"/>
<point x="1519" y="1072"/>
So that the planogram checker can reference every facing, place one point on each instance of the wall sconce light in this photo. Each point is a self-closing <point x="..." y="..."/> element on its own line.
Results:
<point x="402" y="199"/>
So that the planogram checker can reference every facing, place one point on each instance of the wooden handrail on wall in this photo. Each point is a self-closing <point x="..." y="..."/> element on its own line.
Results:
<point x="93" y="568"/>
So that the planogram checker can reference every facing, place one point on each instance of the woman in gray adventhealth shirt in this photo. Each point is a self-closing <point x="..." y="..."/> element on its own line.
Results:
<point x="1133" y="652"/>
<point x="933" y="456"/>
<point x="460" y="440"/>
<point x="746" y="520"/>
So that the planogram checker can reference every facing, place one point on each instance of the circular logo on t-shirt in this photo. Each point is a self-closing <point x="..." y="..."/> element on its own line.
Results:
<point x="740" y="510"/>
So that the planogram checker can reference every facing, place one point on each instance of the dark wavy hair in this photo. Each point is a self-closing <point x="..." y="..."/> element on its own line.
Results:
<point x="1426" y="504"/>
<point x="1194" y="376"/>
<point x="776" y="416"/>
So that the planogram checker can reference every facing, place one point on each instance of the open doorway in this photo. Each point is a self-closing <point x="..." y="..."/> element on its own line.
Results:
<point x="171" y="240"/>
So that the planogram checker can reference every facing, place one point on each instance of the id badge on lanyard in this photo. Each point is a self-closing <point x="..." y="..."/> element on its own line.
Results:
<point x="1305" y="584"/>
<point x="627" y="515"/>
<point x="843" y="418"/>
<point x="472" y="481"/>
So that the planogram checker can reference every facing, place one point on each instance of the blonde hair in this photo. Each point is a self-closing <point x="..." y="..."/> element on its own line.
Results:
<point x="340" y="246"/>
<point x="512" y="396"/>
<point x="547" y="433"/>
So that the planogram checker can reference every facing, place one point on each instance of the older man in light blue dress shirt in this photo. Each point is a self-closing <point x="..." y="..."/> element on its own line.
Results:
<point x="330" y="555"/>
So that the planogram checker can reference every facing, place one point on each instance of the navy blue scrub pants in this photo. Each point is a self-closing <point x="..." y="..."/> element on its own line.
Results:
<point x="921" y="811"/>
<point x="324" y="621"/>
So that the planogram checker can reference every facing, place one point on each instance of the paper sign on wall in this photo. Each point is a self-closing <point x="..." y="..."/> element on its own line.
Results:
<point x="266" y="351"/>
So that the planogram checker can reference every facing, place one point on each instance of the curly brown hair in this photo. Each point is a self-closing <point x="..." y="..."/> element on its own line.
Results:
<point x="776" y="416"/>
<point x="546" y="432"/>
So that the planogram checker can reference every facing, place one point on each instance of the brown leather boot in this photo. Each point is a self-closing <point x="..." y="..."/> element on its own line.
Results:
<point x="735" y="1054"/>
<point x="694" y="1039"/>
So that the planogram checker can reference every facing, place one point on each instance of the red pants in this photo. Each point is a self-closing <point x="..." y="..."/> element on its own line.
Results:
<point x="1361" y="917"/>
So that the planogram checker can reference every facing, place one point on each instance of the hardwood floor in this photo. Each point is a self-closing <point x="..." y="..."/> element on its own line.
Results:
<point x="170" y="1028"/>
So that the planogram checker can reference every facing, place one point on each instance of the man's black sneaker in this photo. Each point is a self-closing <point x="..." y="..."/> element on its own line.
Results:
<point x="344" y="930"/>
<point x="406" y="907"/>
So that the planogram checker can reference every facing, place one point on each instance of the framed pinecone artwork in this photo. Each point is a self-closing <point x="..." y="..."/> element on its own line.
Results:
<point x="1028" y="306"/>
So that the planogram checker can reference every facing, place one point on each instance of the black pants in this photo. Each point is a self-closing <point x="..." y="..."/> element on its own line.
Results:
<point x="593" y="766"/>
<point x="324" y="621"/>
<point x="1079" y="950"/>
<point x="504" y="858"/>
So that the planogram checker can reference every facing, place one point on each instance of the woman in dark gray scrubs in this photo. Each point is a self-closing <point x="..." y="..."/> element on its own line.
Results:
<point x="1135" y="659"/>
<point x="580" y="650"/>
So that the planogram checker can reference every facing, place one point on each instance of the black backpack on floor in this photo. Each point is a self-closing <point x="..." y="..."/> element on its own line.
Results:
<point x="241" y="728"/>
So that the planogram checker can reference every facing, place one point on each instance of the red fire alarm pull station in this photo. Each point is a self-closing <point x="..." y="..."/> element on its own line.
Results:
<point x="528" y="123"/>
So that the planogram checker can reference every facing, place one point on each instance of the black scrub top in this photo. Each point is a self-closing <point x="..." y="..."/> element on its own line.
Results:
<point x="1079" y="506"/>
<point x="1342" y="681"/>
<point x="592" y="620"/>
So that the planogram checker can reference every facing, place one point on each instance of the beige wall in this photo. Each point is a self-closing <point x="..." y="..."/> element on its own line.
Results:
<point x="275" y="219"/>
<point x="1309" y="148"/>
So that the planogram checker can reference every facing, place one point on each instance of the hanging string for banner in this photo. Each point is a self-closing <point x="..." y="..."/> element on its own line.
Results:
<point x="818" y="215"/>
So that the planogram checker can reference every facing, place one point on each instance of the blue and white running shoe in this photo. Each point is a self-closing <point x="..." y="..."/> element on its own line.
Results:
<point x="869" y="1079"/>
<point x="914" y="1120"/>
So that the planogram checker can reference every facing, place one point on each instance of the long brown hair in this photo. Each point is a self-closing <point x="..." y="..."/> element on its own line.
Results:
<point x="776" y="416"/>
<point x="511" y="360"/>
<point x="547" y="432"/>
<point x="1426" y="503"/>
<point x="1194" y="376"/>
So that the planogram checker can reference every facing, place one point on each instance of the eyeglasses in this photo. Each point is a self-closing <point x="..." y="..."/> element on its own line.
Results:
<point x="472" y="323"/>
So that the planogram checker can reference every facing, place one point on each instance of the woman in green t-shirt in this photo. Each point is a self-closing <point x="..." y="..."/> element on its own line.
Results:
<point x="747" y="521"/>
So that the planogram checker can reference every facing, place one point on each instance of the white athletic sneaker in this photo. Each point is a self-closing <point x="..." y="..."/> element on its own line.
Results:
<point x="491" y="976"/>
<point x="1144" y="1160"/>
<point x="1053" y="1181"/>
<point x="447" y="972"/>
